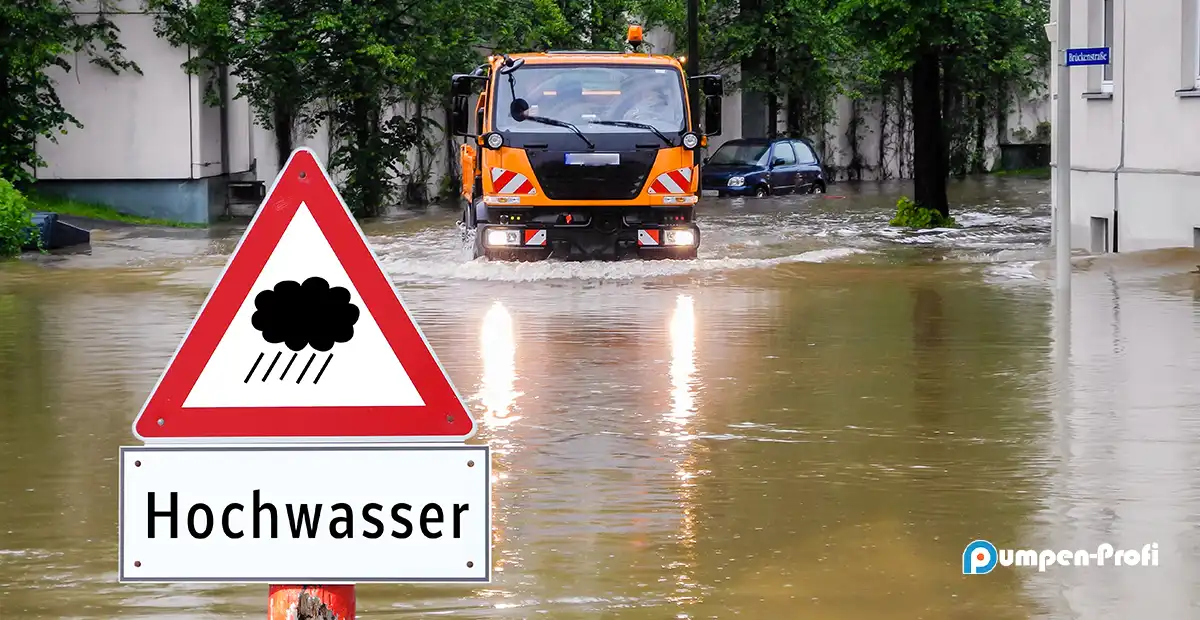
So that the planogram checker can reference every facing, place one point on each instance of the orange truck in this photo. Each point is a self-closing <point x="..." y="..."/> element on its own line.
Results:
<point x="582" y="155"/>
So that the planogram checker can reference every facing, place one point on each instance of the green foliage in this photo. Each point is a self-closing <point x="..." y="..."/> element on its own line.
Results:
<point x="15" y="224"/>
<point x="374" y="72"/>
<point x="36" y="36"/>
<point x="65" y="206"/>
<point x="912" y="215"/>
<point x="354" y="66"/>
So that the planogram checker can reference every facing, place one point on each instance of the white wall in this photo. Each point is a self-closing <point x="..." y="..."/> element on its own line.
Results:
<point x="1025" y="113"/>
<point x="1135" y="152"/>
<point x="134" y="127"/>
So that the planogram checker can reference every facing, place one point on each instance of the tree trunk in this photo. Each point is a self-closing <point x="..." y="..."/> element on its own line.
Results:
<point x="979" y="159"/>
<point x="929" y="153"/>
<point x="284" y="122"/>
<point x="884" y="173"/>
<point x="772" y="98"/>
<point x="795" y="112"/>
<point x="903" y="165"/>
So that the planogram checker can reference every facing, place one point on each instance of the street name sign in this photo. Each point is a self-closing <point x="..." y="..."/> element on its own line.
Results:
<point x="1087" y="56"/>
<point x="304" y="431"/>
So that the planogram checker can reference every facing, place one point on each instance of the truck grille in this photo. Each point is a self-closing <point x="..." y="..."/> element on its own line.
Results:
<point x="621" y="182"/>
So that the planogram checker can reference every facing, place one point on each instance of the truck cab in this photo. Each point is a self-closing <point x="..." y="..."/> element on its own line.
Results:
<point x="582" y="155"/>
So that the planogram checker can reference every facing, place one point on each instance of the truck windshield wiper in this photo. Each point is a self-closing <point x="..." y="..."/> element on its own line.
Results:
<point x="557" y="123"/>
<point x="637" y="125"/>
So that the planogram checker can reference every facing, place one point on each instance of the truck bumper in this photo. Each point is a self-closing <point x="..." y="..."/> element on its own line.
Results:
<point x="516" y="242"/>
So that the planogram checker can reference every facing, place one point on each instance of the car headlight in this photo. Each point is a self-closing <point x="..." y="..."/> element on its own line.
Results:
<point x="504" y="237"/>
<point x="737" y="181"/>
<point x="680" y="237"/>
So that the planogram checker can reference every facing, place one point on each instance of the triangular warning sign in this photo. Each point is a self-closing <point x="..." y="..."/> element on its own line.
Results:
<point x="303" y="337"/>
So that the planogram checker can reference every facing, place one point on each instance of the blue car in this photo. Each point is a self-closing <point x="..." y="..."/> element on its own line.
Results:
<point x="763" y="167"/>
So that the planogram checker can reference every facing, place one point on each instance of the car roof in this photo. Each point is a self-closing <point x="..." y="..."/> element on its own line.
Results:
<point x="761" y="141"/>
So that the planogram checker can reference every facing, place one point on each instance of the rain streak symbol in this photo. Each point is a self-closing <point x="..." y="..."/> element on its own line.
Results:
<point x="311" y="314"/>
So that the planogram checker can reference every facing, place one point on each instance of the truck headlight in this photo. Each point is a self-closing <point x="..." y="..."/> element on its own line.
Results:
<point x="737" y="181"/>
<point x="690" y="140"/>
<point x="680" y="237"/>
<point x="504" y="237"/>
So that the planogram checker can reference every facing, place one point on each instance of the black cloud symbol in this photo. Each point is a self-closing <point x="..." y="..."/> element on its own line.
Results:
<point x="311" y="314"/>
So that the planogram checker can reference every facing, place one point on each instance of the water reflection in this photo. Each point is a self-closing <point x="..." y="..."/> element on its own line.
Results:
<point x="498" y="348"/>
<point x="1127" y="398"/>
<point x="683" y="408"/>
<point x="683" y="359"/>
<point x="498" y="396"/>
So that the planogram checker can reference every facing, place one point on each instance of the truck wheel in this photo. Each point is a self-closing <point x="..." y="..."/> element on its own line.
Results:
<point x="477" y="248"/>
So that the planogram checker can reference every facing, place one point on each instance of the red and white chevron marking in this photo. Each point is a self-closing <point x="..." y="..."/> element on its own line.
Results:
<point x="509" y="182"/>
<point x="673" y="182"/>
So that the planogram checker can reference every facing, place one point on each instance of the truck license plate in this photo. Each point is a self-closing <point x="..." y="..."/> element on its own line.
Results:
<point x="592" y="159"/>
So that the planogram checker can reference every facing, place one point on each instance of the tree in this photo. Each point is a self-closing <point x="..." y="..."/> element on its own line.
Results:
<point x="36" y="35"/>
<point x="941" y="45"/>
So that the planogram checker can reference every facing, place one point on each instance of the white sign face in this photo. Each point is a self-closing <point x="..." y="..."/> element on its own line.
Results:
<point x="245" y="371"/>
<point x="306" y="514"/>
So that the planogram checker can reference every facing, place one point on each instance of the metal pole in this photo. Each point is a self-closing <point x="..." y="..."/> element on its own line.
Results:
<point x="693" y="57"/>
<point x="295" y="602"/>
<point x="1062" y="129"/>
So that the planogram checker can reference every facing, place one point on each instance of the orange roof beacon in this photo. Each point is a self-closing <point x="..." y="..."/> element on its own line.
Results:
<point x="582" y="154"/>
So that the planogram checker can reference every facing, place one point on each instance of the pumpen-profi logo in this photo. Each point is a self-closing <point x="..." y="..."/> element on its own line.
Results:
<point x="981" y="557"/>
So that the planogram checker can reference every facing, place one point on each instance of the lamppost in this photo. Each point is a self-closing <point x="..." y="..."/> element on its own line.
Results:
<point x="1060" y="34"/>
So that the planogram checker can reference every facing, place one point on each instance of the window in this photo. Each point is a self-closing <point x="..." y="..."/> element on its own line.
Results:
<point x="739" y="154"/>
<point x="803" y="153"/>
<point x="582" y="95"/>
<point x="784" y="151"/>
<point x="1106" y="85"/>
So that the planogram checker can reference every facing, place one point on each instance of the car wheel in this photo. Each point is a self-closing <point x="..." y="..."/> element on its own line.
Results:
<point x="761" y="192"/>
<point x="817" y="188"/>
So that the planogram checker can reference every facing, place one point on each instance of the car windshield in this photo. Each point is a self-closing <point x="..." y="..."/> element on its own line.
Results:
<point x="740" y="155"/>
<point x="583" y="95"/>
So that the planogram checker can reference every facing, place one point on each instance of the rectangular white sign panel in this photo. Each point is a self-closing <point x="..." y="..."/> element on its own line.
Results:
<point x="306" y="514"/>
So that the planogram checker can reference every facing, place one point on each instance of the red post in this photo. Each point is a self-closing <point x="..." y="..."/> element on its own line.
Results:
<point x="311" y="603"/>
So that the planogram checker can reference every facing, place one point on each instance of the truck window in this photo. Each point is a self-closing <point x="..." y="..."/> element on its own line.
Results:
<point x="580" y="94"/>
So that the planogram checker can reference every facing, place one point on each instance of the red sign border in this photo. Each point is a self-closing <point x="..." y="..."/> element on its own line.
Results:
<point x="443" y="417"/>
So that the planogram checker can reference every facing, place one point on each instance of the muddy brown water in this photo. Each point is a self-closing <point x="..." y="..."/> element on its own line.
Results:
<point x="812" y="420"/>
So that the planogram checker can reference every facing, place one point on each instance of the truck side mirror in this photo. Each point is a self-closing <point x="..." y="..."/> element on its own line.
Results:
<point x="713" y="86"/>
<point x="462" y="84"/>
<point x="462" y="87"/>
<point x="712" y="116"/>
<point x="459" y="116"/>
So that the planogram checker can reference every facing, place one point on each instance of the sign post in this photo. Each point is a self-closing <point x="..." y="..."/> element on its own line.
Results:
<point x="304" y="435"/>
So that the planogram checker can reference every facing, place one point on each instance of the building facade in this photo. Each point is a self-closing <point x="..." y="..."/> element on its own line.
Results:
<point x="1135" y="126"/>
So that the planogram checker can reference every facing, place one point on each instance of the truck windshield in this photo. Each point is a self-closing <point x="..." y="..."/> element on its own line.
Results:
<point x="584" y="94"/>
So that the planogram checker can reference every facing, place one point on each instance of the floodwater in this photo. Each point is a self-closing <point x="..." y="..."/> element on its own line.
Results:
<point x="812" y="420"/>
